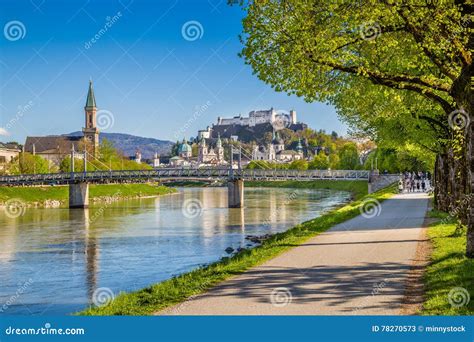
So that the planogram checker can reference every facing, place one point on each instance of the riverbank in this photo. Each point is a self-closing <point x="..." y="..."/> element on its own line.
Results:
<point x="173" y="291"/>
<point x="47" y="196"/>
<point x="358" y="189"/>
<point x="449" y="278"/>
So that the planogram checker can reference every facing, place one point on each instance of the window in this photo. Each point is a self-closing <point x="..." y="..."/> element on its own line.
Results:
<point x="90" y="119"/>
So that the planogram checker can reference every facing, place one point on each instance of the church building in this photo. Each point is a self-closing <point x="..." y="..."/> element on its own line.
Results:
<point x="211" y="155"/>
<point x="55" y="148"/>
<point x="275" y="151"/>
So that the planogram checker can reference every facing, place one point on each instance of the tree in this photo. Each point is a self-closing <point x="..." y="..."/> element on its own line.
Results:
<point x="299" y="165"/>
<point x="315" y="48"/>
<point x="65" y="165"/>
<point x="348" y="157"/>
<point x="320" y="162"/>
<point x="28" y="163"/>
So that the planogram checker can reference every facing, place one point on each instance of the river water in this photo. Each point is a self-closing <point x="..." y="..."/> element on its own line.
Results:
<point x="52" y="260"/>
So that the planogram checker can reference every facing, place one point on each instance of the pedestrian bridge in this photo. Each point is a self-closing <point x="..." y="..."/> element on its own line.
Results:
<point x="179" y="174"/>
<point x="79" y="181"/>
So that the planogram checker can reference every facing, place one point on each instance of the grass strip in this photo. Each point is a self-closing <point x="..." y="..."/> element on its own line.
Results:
<point x="449" y="279"/>
<point x="357" y="188"/>
<point x="39" y="195"/>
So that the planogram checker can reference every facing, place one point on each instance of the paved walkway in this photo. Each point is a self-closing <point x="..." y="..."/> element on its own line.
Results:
<point x="357" y="267"/>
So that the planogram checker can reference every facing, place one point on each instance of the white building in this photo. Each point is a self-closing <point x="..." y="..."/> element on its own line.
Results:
<point x="211" y="155"/>
<point x="275" y="151"/>
<point x="156" y="160"/>
<point x="258" y="117"/>
<point x="184" y="157"/>
<point x="205" y="133"/>
<point x="8" y="152"/>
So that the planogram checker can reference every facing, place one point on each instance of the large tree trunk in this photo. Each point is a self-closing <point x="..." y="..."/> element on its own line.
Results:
<point x="470" y="188"/>
<point x="441" y="182"/>
<point x="452" y="193"/>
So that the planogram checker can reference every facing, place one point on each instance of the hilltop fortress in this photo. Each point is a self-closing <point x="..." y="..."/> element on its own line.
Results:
<point x="252" y="127"/>
<point x="259" y="117"/>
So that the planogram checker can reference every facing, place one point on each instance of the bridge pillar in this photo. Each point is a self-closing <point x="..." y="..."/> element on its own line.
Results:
<point x="235" y="193"/>
<point x="78" y="195"/>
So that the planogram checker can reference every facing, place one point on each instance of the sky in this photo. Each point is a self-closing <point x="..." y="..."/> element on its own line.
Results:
<point x="162" y="69"/>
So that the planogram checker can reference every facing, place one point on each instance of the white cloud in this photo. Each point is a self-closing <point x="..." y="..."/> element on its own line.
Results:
<point x="4" y="132"/>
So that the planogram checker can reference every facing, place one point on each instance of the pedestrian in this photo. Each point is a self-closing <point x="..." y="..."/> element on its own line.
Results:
<point x="400" y="186"/>
<point x="423" y="185"/>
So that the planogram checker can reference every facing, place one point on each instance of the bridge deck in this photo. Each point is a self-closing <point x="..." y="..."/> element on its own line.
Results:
<point x="207" y="174"/>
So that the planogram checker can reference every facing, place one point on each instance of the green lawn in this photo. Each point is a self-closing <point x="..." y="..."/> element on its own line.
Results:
<point x="61" y="193"/>
<point x="449" y="270"/>
<point x="175" y="290"/>
<point x="357" y="188"/>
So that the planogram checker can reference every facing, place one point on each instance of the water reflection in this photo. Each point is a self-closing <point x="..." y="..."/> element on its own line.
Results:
<point x="128" y="245"/>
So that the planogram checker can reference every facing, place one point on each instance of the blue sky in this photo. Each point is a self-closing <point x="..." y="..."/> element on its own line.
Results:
<point x="150" y="76"/>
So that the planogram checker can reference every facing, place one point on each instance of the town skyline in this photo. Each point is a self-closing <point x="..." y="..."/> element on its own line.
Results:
<point x="205" y="71"/>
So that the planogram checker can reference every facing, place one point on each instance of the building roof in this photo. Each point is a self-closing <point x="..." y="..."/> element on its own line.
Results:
<point x="9" y="146"/>
<point x="57" y="144"/>
<point x="90" y="96"/>
<point x="277" y="140"/>
<point x="299" y="147"/>
<point x="184" y="147"/>
<point x="288" y="152"/>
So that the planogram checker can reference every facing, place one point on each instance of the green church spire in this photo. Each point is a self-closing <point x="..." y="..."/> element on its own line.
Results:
<point x="90" y="96"/>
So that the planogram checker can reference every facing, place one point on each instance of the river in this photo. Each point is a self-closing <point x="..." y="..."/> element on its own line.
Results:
<point x="52" y="260"/>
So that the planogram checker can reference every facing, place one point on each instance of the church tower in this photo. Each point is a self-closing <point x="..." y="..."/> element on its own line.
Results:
<point x="90" y="130"/>
<point x="219" y="149"/>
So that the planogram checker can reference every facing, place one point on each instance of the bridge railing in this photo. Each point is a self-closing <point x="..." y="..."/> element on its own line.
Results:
<point x="181" y="173"/>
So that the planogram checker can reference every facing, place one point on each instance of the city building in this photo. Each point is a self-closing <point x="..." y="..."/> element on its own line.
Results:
<point x="8" y="153"/>
<point x="184" y="157"/>
<point x="275" y="151"/>
<point x="156" y="160"/>
<point x="138" y="157"/>
<point x="257" y="117"/>
<point x="211" y="155"/>
<point x="55" y="148"/>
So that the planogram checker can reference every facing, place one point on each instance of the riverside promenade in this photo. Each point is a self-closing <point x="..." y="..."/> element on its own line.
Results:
<point x="359" y="267"/>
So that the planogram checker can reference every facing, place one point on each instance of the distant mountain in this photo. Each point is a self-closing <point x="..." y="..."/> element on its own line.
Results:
<point x="128" y="144"/>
